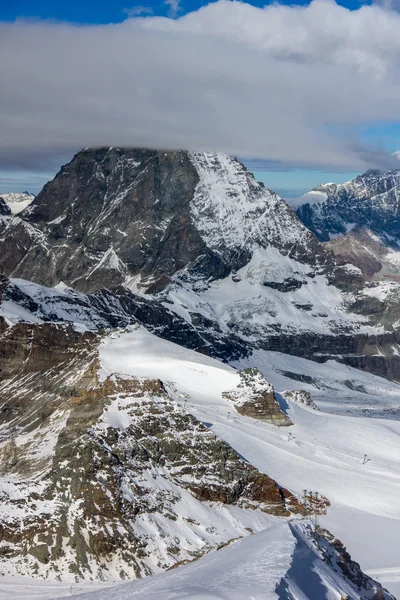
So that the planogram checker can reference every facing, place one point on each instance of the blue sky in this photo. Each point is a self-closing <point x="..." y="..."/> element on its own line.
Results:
<point x="288" y="179"/>
<point x="105" y="11"/>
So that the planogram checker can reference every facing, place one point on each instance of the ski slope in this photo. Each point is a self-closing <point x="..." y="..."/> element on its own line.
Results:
<point x="281" y="563"/>
<point x="327" y="447"/>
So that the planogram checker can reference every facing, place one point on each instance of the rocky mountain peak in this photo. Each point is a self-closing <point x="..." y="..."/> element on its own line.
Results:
<point x="138" y="217"/>
<point x="370" y="200"/>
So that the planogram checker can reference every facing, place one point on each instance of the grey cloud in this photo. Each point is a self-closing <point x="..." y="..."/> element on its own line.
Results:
<point x="280" y="87"/>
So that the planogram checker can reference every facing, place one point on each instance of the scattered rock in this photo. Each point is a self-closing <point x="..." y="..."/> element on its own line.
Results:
<point x="300" y="397"/>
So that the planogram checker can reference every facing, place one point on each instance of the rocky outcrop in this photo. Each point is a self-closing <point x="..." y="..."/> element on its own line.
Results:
<point x="335" y="555"/>
<point x="361" y="248"/>
<point x="300" y="397"/>
<point x="372" y="254"/>
<point x="255" y="398"/>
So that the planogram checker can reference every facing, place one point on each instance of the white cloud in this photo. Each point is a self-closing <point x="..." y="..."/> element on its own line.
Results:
<point x="287" y="84"/>
<point x="174" y="7"/>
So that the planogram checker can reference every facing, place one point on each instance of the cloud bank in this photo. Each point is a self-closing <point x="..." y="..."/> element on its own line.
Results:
<point x="287" y="84"/>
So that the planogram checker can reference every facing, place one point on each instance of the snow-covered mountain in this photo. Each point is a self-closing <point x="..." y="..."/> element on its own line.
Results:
<point x="110" y="472"/>
<point x="225" y="263"/>
<point x="16" y="202"/>
<point x="370" y="200"/>
<point x="127" y="448"/>
<point x="137" y="217"/>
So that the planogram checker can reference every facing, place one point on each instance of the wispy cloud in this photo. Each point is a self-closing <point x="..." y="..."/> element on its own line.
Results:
<point x="137" y="11"/>
<point x="174" y="7"/>
<point x="283" y="83"/>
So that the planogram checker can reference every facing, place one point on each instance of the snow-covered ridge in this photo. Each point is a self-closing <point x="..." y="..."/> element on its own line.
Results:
<point x="17" y="202"/>
<point x="285" y="562"/>
<point x="236" y="214"/>
<point x="370" y="200"/>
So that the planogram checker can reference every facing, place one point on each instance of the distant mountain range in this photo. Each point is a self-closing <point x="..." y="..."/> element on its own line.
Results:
<point x="370" y="200"/>
<point x="14" y="203"/>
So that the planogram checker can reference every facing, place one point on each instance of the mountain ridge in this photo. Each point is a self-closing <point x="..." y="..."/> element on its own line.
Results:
<point x="370" y="200"/>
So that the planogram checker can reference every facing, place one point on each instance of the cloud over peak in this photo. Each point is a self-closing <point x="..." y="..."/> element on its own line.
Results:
<point x="286" y="84"/>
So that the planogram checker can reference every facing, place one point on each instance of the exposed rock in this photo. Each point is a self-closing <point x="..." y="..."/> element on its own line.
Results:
<point x="255" y="398"/>
<point x="370" y="200"/>
<point x="107" y="475"/>
<point x="360" y="247"/>
<point x="336" y="555"/>
<point x="137" y="216"/>
<point x="330" y="560"/>
<point x="300" y="397"/>
<point x="4" y="208"/>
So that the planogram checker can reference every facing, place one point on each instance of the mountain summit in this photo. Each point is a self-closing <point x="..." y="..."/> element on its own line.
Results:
<point x="137" y="217"/>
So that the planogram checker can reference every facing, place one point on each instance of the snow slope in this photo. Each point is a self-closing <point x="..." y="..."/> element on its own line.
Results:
<point x="284" y="562"/>
<point x="17" y="202"/>
<point x="271" y="293"/>
<point x="252" y="567"/>
<point x="313" y="197"/>
<point x="326" y="450"/>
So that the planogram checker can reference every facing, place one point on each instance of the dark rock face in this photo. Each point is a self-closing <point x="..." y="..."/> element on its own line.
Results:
<point x="4" y="209"/>
<point x="137" y="216"/>
<point x="370" y="200"/>
<point x="108" y="214"/>
<point x="361" y="248"/>
<point x="371" y="353"/>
